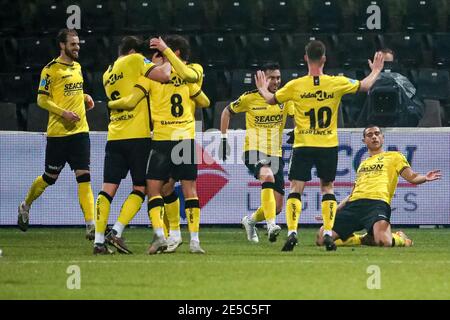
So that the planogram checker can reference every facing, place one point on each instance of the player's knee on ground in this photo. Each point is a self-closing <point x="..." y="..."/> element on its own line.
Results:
<point x="319" y="237"/>
<point x="383" y="240"/>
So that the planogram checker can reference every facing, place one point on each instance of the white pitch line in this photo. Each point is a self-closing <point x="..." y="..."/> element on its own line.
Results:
<point x="225" y="261"/>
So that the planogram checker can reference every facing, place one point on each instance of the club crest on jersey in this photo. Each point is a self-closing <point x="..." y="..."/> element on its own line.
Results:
<point x="281" y="105"/>
<point x="177" y="81"/>
<point x="46" y="82"/>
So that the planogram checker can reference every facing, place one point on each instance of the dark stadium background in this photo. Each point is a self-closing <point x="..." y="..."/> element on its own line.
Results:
<point x="231" y="39"/>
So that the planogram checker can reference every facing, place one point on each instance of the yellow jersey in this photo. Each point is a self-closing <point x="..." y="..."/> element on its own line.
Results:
<point x="316" y="102"/>
<point x="118" y="81"/>
<point x="377" y="176"/>
<point x="172" y="107"/>
<point x="264" y="123"/>
<point x="63" y="84"/>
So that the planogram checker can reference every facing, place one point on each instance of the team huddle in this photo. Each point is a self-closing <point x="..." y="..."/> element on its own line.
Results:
<point x="153" y="94"/>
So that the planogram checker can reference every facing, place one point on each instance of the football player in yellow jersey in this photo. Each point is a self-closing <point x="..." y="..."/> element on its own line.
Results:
<point x="262" y="150"/>
<point x="368" y="205"/>
<point x="128" y="142"/>
<point x="316" y="100"/>
<point x="61" y="94"/>
<point x="191" y="73"/>
<point x="172" y="156"/>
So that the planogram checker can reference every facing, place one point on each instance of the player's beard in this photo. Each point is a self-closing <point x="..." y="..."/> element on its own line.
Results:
<point x="70" y="54"/>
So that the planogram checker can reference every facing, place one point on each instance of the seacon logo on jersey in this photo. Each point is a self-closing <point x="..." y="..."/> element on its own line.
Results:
<point x="276" y="119"/>
<point x="73" y="88"/>
<point x="318" y="95"/>
<point x="371" y="168"/>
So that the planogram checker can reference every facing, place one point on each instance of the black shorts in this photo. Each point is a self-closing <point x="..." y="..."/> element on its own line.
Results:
<point x="254" y="160"/>
<point x="122" y="156"/>
<point x="304" y="158"/>
<point x="360" y="214"/>
<point x="172" y="159"/>
<point x="74" y="149"/>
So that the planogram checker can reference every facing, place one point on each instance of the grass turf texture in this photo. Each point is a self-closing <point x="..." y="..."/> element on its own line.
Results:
<point x="34" y="266"/>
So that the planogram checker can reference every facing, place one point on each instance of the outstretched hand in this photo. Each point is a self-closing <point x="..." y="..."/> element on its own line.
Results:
<point x="378" y="62"/>
<point x="433" y="175"/>
<point x="261" y="80"/>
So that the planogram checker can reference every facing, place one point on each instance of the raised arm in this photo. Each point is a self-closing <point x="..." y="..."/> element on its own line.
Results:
<point x="263" y="87"/>
<point x="376" y="66"/>
<point x="186" y="73"/>
<point x="416" y="178"/>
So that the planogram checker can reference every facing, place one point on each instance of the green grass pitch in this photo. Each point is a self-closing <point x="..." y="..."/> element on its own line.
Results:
<point x="34" y="266"/>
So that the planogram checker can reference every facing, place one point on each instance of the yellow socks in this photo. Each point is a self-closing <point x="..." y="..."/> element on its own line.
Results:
<point x="353" y="240"/>
<point x="156" y="213"/>
<point x="37" y="188"/>
<point x="268" y="201"/>
<point x="172" y="211"/>
<point x="397" y="240"/>
<point x="258" y="215"/>
<point x="86" y="197"/>
<point x="329" y="206"/>
<point x="102" y="213"/>
<point x="130" y="207"/>
<point x="192" y="209"/>
<point x="293" y="210"/>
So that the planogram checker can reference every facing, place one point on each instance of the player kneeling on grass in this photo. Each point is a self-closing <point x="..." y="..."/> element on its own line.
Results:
<point x="368" y="205"/>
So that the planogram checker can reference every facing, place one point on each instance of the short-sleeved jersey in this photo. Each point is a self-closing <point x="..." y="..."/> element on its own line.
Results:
<point x="63" y="83"/>
<point x="264" y="123"/>
<point x="377" y="176"/>
<point x="316" y="102"/>
<point x="172" y="108"/>
<point x="118" y="81"/>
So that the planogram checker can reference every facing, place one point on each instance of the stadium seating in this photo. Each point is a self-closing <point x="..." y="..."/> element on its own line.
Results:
<point x="37" y="119"/>
<point x="242" y="80"/>
<point x="50" y="16"/>
<point x="432" y="115"/>
<point x="98" y="118"/>
<point x="441" y="49"/>
<point x="263" y="48"/>
<point x="95" y="52"/>
<point x="325" y="16"/>
<point x="433" y="84"/>
<point x="420" y="15"/>
<point x="232" y="38"/>
<point x="234" y="15"/>
<point x="36" y="52"/>
<point x="8" y="54"/>
<point x="354" y="49"/>
<point x="279" y="15"/>
<point x="96" y="15"/>
<point x="409" y="48"/>
<point x="17" y="87"/>
<point x="143" y="16"/>
<point x="8" y="120"/>
<point x="189" y="15"/>
<point x="221" y="50"/>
